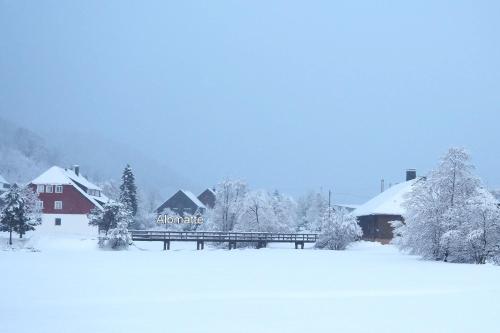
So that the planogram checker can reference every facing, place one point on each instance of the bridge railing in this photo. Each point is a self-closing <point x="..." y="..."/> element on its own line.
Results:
<point x="220" y="236"/>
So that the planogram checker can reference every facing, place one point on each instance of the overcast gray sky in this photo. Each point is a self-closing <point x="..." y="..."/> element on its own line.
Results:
<point x="292" y="95"/>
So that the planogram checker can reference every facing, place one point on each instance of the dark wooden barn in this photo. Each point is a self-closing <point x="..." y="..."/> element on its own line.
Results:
<point x="183" y="202"/>
<point x="374" y="217"/>
<point x="207" y="197"/>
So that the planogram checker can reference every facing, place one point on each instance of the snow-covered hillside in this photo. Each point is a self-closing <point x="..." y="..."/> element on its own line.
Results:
<point x="71" y="286"/>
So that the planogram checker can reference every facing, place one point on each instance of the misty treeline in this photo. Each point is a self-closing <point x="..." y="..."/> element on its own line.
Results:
<point x="241" y="209"/>
<point x="23" y="153"/>
<point x="450" y="215"/>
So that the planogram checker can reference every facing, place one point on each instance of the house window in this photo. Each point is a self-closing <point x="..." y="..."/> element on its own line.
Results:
<point x="40" y="188"/>
<point x="58" y="221"/>
<point x="57" y="204"/>
<point x="48" y="189"/>
<point x="59" y="188"/>
<point x="39" y="204"/>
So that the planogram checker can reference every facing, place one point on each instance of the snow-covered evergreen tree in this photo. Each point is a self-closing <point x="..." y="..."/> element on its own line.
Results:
<point x="339" y="229"/>
<point x="113" y="222"/>
<point x="20" y="212"/>
<point x="128" y="190"/>
<point x="449" y="215"/>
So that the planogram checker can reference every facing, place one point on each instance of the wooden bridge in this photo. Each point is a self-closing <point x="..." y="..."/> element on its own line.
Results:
<point x="232" y="238"/>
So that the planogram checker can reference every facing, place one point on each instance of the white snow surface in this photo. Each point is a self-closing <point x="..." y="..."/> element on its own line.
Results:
<point x="71" y="286"/>
<point x="388" y="202"/>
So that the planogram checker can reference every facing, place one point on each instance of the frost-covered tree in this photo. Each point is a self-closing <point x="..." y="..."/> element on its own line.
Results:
<point x="441" y="210"/>
<point x="257" y="213"/>
<point x="112" y="221"/>
<point x="229" y="196"/>
<point x="20" y="212"/>
<point x="285" y="210"/>
<point x="310" y="212"/>
<point x="128" y="190"/>
<point x="338" y="230"/>
<point x="477" y="237"/>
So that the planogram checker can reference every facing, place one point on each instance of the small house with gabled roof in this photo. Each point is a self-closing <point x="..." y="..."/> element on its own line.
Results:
<point x="183" y="202"/>
<point x="374" y="216"/>
<point x="207" y="197"/>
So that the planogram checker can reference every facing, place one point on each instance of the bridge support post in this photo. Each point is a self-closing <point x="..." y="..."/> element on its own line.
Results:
<point x="232" y="245"/>
<point x="260" y="245"/>
<point x="166" y="245"/>
<point x="200" y="245"/>
<point x="299" y="243"/>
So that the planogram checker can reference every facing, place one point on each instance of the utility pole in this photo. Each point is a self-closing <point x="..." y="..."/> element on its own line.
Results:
<point x="382" y="185"/>
<point x="329" y="203"/>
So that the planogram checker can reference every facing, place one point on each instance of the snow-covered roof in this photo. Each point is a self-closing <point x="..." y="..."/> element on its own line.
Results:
<point x="388" y="202"/>
<point x="193" y="198"/>
<point x="2" y="180"/>
<point x="59" y="176"/>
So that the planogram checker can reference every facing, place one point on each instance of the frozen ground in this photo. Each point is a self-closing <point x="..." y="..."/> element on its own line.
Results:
<point x="69" y="286"/>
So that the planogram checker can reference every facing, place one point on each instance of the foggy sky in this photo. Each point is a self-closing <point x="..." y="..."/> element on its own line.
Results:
<point x="293" y="95"/>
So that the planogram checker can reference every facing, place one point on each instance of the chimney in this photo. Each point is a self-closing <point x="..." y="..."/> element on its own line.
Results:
<point x="411" y="174"/>
<point x="76" y="169"/>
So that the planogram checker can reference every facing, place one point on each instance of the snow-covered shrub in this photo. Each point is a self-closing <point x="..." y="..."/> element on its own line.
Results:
<point x="113" y="222"/>
<point x="119" y="237"/>
<point x="339" y="229"/>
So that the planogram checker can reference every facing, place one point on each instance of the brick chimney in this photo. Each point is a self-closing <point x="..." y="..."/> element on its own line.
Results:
<point x="411" y="174"/>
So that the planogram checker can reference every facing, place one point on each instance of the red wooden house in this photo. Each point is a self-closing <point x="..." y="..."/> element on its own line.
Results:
<point x="66" y="197"/>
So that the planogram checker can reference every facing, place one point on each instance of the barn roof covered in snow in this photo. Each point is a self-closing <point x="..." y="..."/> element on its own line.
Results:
<point x="59" y="176"/>
<point x="388" y="202"/>
<point x="193" y="198"/>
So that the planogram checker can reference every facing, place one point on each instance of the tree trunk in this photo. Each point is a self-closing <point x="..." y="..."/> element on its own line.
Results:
<point x="10" y="237"/>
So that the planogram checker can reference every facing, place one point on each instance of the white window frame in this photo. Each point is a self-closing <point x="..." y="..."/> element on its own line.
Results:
<point x="58" y="205"/>
<point x="40" y="188"/>
<point x="59" y="189"/>
<point x="49" y="189"/>
<point x="39" y="204"/>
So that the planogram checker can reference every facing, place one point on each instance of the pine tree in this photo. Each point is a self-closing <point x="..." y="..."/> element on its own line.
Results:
<point x="20" y="212"/>
<point x="128" y="191"/>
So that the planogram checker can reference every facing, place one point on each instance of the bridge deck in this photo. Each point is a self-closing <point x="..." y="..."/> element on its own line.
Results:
<point x="261" y="238"/>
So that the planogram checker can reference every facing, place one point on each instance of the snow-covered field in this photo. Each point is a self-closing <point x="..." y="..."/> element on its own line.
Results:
<point x="70" y="286"/>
